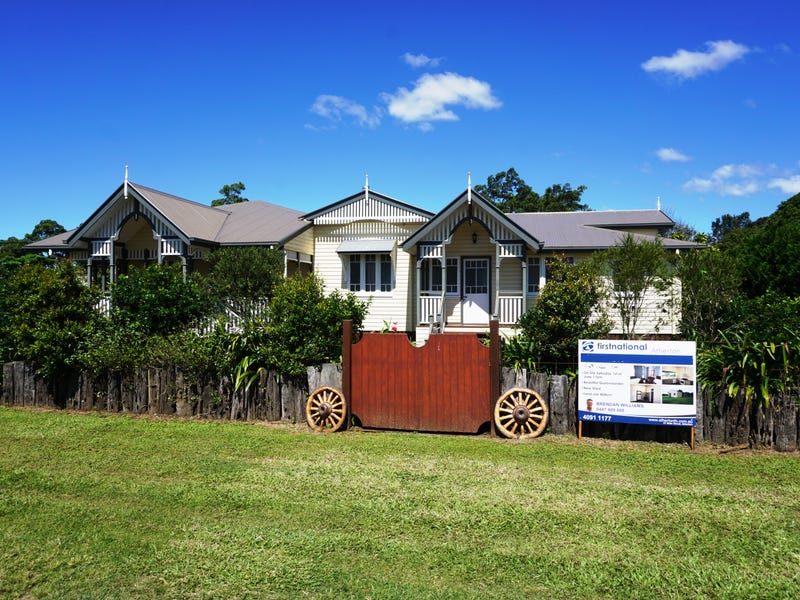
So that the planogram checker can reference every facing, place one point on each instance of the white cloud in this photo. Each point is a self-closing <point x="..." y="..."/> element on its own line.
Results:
<point x="728" y="180"/>
<point x="420" y="60"/>
<point x="688" y="65"/>
<point x="336" y="108"/>
<point x="432" y="96"/>
<point x="671" y="155"/>
<point x="788" y="185"/>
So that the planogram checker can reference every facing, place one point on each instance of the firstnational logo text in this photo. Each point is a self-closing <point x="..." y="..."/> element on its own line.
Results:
<point x="618" y="346"/>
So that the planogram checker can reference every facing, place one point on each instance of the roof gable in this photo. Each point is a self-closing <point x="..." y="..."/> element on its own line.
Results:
<point x="470" y="205"/>
<point x="170" y="216"/>
<point x="368" y="205"/>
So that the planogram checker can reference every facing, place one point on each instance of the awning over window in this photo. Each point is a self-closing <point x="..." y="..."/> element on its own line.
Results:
<point x="365" y="246"/>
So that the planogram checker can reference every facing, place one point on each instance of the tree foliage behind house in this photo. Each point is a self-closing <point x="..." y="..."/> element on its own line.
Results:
<point x="231" y="194"/>
<point x="511" y="194"/>
<point x="768" y="251"/>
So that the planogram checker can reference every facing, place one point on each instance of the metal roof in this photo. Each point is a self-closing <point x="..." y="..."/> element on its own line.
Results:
<point x="258" y="222"/>
<point x="593" y="230"/>
<point x="253" y="222"/>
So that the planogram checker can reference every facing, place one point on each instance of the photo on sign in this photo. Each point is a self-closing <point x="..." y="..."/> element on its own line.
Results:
<point x="677" y="385"/>
<point x="645" y="384"/>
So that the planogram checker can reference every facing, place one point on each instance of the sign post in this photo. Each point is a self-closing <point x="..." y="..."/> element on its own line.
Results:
<point x="643" y="382"/>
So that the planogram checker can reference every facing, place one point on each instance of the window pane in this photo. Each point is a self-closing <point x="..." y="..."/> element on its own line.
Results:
<point x="386" y="273"/>
<point x="355" y="272"/>
<point x="452" y="275"/>
<point x="534" y="274"/>
<point x="369" y="273"/>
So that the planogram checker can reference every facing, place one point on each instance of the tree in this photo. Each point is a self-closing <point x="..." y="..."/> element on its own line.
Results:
<point x="511" y="194"/>
<point x="305" y="326"/>
<point x="44" y="229"/>
<point x="245" y="274"/>
<point x="681" y="230"/>
<point x="565" y="311"/>
<point x="46" y="313"/>
<point x="156" y="300"/>
<point x="710" y="285"/>
<point x="635" y="267"/>
<point x="726" y="224"/>
<point x="561" y="197"/>
<point x="768" y="251"/>
<point x="12" y="252"/>
<point x="231" y="194"/>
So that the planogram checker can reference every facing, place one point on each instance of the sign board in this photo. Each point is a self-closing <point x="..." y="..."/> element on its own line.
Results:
<point x="645" y="382"/>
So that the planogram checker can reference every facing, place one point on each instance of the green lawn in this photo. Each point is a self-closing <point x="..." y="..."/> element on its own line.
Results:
<point x="110" y="506"/>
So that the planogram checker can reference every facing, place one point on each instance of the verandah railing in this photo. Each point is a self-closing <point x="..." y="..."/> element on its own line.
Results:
<point x="510" y="308"/>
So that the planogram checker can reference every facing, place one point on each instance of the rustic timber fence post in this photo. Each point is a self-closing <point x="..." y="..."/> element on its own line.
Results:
<point x="494" y="370"/>
<point x="347" y="358"/>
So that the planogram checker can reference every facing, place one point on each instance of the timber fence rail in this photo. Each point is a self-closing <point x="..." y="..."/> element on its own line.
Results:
<point x="722" y="419"/>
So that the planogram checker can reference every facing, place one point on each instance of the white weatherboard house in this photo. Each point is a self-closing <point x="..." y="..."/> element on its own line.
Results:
<point x="449" y="271"/>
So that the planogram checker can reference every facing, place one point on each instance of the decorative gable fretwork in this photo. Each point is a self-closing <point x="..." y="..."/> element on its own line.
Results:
<point x="369" y="209"/>
<point x="445" y="229"/>
<point x="364" y="229"/>
<point x="110" y="222"/>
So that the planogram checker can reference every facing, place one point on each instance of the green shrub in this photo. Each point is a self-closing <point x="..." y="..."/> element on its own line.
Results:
<point x="565" y="311"/>
<point x="157" y="300"/>
<point x="46" y="313"/>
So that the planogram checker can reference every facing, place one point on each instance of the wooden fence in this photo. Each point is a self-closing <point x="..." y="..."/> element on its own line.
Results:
<point x="723" y="420"/>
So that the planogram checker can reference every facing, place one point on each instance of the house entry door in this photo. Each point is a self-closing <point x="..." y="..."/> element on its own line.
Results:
<point x="476" y="291"/>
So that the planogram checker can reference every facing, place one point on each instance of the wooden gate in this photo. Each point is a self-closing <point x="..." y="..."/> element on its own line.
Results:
<point x="449" y="385"/>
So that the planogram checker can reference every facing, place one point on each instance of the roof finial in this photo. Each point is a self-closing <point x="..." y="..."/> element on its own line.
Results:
<point x="658" y="202"/>
<point x="366" y="187"/>
<point x="126" y="183"/>
<point x="469" y="187"/>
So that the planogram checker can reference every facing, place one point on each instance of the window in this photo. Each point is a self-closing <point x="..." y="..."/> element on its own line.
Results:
<point x="570" y="260"/>
<point x="534" y="274"/>
<point x="432" y="276"/>
<point x="536" y="278"/>
<point x="370" y="273"/>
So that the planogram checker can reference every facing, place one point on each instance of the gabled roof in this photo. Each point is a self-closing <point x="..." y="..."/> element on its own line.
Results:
<point x="481" y="203"/>
<point x="258" y="222"/>
<point x="594" y="230"/>
<point x="52" y="243"/>
<point x="196" y="221"/>
<point x="400" y="207"/>
<point x="245" y="223"/>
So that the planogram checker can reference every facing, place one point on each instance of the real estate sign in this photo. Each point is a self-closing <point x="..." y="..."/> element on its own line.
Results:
<point x="645" y="382"/>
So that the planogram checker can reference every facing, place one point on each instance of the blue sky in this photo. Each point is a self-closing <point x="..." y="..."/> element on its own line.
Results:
<point x="692" y="102"/>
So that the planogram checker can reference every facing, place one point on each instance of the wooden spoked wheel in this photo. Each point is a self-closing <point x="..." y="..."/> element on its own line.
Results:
<point x="326" y="409"/>
<point x="520" y="413"/>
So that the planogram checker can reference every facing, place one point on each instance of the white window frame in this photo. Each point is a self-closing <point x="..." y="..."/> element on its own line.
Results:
<point x="381" y="283"/>
<point x="538" y="269"/>
<point x="535" y="275"/>
<point x="434" y="265"/>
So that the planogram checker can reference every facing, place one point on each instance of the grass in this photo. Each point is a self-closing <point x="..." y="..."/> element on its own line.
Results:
<point x="95" y="506"/>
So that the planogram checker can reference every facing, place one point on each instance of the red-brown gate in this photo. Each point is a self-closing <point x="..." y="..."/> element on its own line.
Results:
<point x="450" y="384"/>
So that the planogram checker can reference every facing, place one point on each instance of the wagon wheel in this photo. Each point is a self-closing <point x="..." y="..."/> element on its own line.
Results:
<point x="326" y="409"/>
<point x="521" y="413"/>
